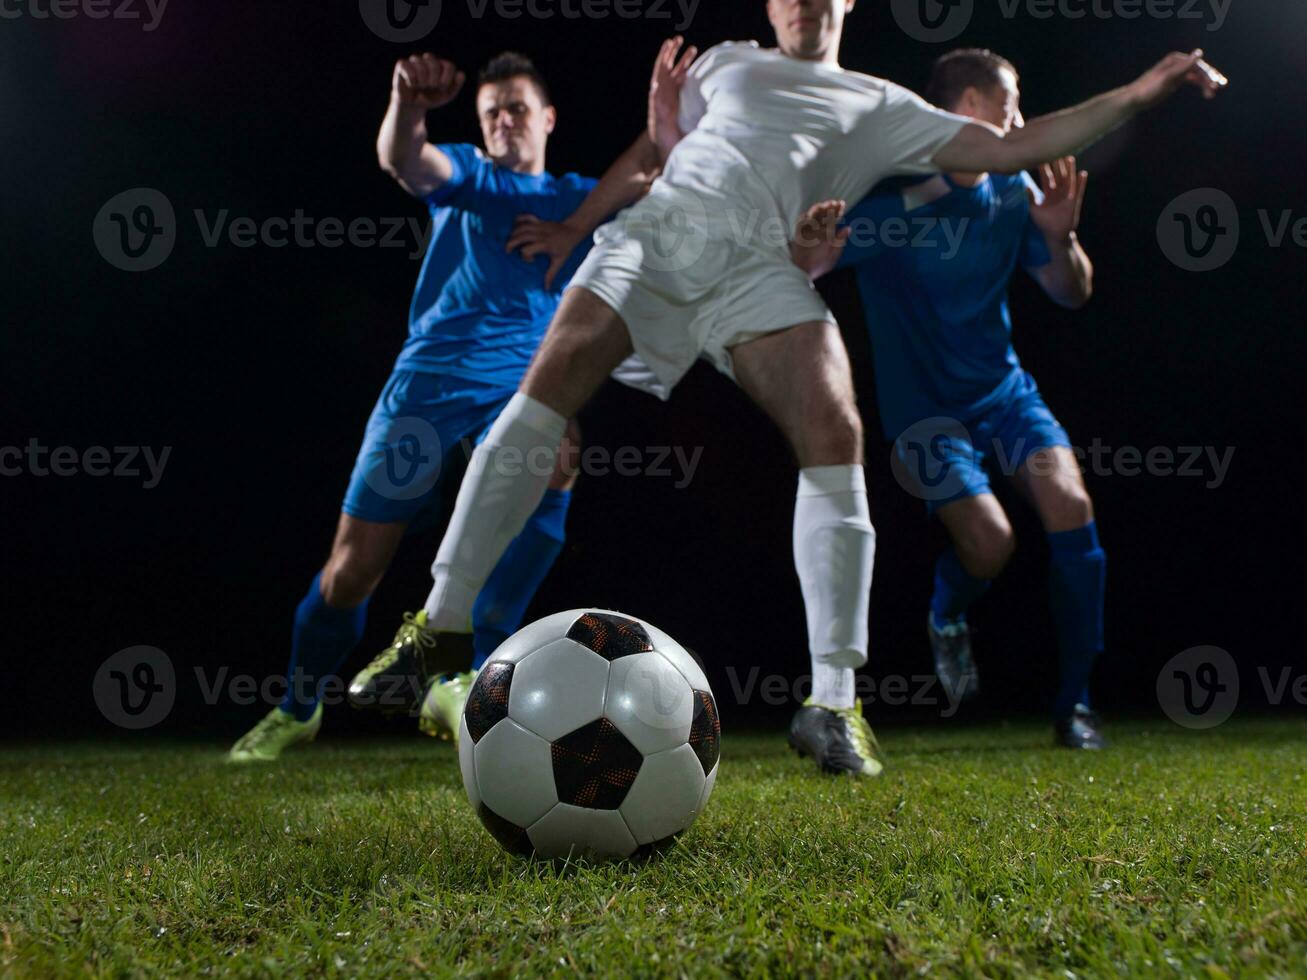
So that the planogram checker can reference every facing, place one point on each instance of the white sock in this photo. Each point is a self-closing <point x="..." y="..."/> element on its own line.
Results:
<point x="505" y="482"/>
<point x="832" y="686"/>
<point x="834" y="546"/>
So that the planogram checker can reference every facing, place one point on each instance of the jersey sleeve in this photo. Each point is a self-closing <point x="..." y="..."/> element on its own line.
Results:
<point x="1034" y="250"/>
<point x="460" y="190"/>
<point x="883" y="203"/>
<point x="913" y="131"/>
<point x="693" y="102"/>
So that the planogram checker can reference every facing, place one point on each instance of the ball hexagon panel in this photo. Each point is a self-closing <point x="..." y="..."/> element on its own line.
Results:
<point x="467" y="763"/>
<point x="680" y="658"/>
<point x="487" y="702"/>
<point x="706" y="730"/>
<point x="558" y="689"/>
<point x="573" y="831"/>
<point x="649" y="702"/>
<point x="610" y="635"/>
<point x="594" y="766"/>
<point x="664" y="799"/>
<point x="514" y="773"/>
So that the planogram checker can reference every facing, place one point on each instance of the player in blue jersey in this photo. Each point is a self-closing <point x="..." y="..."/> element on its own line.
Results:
<point x="478" y="314"/>
<point x="933" y="260"/>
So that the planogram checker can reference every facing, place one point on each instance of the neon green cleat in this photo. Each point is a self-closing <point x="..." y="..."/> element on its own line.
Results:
<point x="395" y="679"/>
<point x="839" y="740"/>
<point x="442" y="708"/>
<point x="277" y="732"/>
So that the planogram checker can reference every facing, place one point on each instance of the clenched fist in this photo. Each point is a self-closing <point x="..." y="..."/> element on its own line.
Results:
<point x="426" y="81"/>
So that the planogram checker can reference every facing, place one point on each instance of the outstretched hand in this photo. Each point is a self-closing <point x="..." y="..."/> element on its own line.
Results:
<point x="669" y="76"/>
<point x="1064" y="195"/>
<point x="1176" y="70"/>
<point x="818" y="238"/>
<point x="536" y="237"/>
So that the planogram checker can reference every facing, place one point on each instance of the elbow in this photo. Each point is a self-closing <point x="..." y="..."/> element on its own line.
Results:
<point x="1076" y="299"/>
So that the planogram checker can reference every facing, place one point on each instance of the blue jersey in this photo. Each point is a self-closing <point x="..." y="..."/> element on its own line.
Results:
<point x="933" y="261"/>
<point x="478" y="311"/>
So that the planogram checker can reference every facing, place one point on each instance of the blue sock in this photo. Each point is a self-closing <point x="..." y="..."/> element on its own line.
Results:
<point x="955" y="589"/>
<point x="321" y="640"/>
<point x="1078" y="570"/>
<point x="498" y="610"/>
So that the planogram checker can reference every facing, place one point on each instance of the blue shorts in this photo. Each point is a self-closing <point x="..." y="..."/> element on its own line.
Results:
<point x="942" y="459"/>
<point x="417" y="431"/>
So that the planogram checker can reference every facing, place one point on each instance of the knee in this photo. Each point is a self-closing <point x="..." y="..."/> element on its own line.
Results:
<point x="1069" y="508"/>
<point x="986" y="548"/>
<point x="832" y="436"/>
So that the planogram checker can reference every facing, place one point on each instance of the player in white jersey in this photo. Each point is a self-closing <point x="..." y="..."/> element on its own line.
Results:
<point x="701" y="268"/>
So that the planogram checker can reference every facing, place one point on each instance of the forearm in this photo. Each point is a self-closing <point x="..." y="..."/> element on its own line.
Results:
<point x="624" y="183"/>
<point x="1069" y="278"/>
<point x="979" y="147"/>
<point x="401" y="139"/>
<point x="1068" y="132"/>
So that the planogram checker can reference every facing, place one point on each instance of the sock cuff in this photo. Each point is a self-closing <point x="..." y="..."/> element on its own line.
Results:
<point x="820" y="481"/>
<point x="535" y="415"/>
<point x="1078" y="541"/>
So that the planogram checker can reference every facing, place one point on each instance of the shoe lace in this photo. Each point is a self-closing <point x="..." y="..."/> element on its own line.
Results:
<point x="264" y="730"/>
<point x="859" y="731"/>
<point x="410" y="629"/>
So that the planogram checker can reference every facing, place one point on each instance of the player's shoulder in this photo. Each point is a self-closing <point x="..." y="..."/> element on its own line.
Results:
<point x="570" y="183"/>
<point x="1010" y="189"/>
<point x="725" y="53"/>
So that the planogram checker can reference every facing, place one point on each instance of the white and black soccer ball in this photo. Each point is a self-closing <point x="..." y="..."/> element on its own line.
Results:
<point x="589" y="732"/>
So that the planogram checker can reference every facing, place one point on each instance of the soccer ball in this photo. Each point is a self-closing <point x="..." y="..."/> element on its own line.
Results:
<point x="590" y="733"/>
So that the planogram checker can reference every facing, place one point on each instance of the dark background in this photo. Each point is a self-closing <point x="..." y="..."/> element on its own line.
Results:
<point x="259" y="366"/>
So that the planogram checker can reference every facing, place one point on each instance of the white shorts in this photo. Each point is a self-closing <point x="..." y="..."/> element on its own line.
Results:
<point x="687" y="287"/>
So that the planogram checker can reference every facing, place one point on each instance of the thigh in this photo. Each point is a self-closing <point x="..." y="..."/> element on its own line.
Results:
<point x="802" y="379"/>
<point x="1050" y="479"/>
<point x="414" y="430"/>
<point x="938" y="461"/>
<point x="586" y="341"/>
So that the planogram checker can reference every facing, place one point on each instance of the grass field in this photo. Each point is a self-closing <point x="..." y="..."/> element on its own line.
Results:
<point x="981" y="851"/>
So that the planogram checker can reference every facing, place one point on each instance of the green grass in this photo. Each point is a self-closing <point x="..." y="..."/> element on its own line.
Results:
<point x="981" y="851"/>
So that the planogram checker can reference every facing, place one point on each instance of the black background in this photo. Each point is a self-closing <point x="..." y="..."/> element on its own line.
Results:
<point x="258" y="366"/>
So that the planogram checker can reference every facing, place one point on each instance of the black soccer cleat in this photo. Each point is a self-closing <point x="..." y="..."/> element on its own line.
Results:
<point x="1079" y="730"/>
<point x="394" y="682"/>
<point x="839" y="740"/>
<point x="954" y="666"/>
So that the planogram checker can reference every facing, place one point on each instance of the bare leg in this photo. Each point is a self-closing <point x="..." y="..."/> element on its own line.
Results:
<point x="801" y="378"/>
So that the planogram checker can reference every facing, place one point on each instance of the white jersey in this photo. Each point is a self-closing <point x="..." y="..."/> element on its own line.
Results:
<point x="772" y="135"/>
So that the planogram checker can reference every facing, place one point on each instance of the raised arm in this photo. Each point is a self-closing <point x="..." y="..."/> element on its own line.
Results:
<point x="417" y="85"/>
<point x="979" y="147"/>
<point x="1068" y="277"/>
<point x="625" y="182"/>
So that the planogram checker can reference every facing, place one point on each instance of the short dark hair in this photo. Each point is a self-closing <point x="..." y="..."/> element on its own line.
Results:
<point x="962" y="69"/>
<point x="510" y="64"/>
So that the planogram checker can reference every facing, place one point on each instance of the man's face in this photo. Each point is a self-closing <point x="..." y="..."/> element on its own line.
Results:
<point x="515" y="124"/>
<point x="999" y="105"/>
<point x="808" y="29"/>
